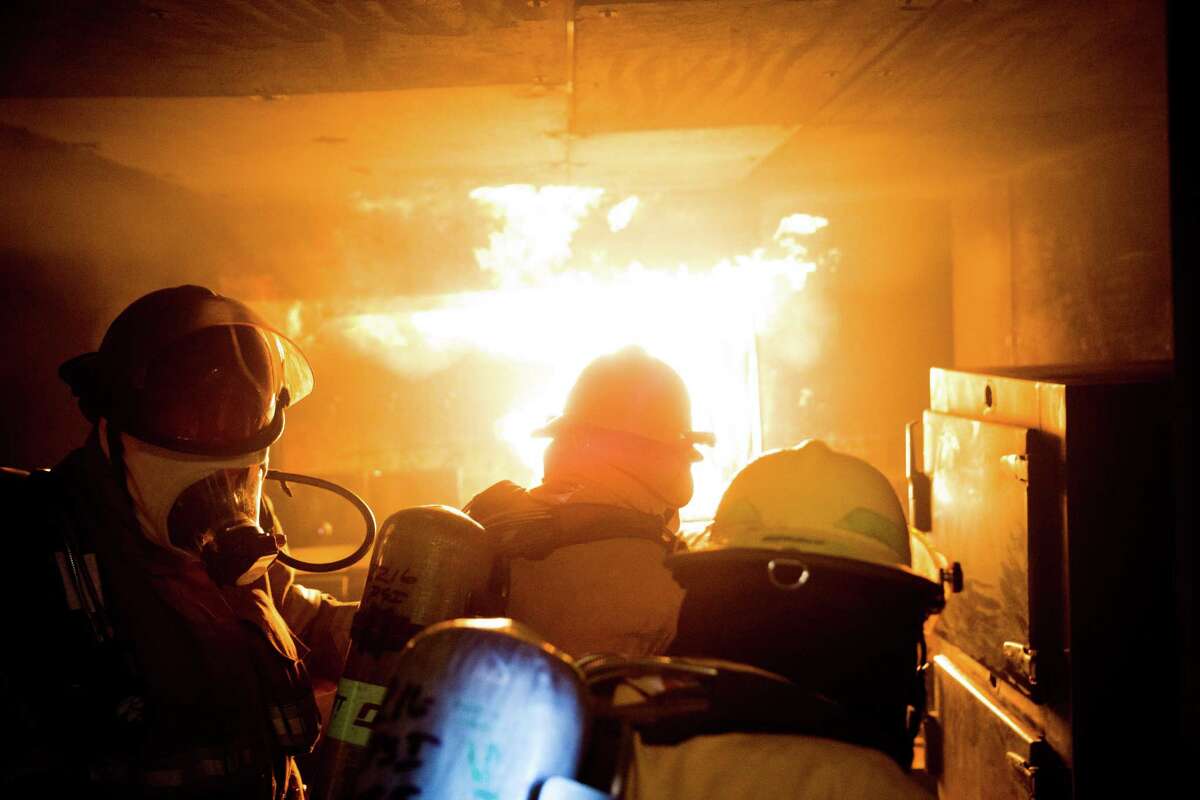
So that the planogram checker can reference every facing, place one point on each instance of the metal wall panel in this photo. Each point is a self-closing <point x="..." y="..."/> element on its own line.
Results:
<point x="995" y="754"/>
<point x="981" y="520"/>
<point x="1087" y="500"/>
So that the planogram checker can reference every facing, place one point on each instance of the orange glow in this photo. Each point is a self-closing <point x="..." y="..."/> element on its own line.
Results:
<point x="538" y="225"/>
<point x="557" y="318"/>
<point x="620" y="215"/>
<point x="954" y="672"/>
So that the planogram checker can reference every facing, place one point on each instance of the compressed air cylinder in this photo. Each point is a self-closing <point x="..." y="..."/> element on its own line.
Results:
<point x="478" y="708"/>
<point x="428" y="564"/>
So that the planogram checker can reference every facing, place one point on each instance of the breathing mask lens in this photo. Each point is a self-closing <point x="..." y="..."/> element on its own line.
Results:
<point x="213" y="390"/>
<point x="216" y="518"/>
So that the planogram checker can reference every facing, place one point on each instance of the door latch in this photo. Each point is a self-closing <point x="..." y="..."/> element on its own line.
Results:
<point x="1021" y="660"/>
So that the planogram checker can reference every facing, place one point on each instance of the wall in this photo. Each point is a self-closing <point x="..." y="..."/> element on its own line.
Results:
<point x="79" y="238"/>
<point x="1066" y="260"/>
<point x="851" y="363"/>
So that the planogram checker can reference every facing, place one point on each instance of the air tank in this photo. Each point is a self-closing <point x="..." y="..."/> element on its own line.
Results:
<point x="430" y="564"/>
<point x="477" y="708"/>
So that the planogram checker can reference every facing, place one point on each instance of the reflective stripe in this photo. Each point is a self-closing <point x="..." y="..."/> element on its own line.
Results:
<point x="67" y="581"/>
<point x="354" y="709"/>
<point x="872" y="523"/>
<point x="89" y="560"/>
<point x="289" y="725"/>
<point x="281" y="726"/>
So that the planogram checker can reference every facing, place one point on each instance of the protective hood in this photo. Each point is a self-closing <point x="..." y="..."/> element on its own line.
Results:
<point x="156" y="479"/>
<point x="616" y="472"/>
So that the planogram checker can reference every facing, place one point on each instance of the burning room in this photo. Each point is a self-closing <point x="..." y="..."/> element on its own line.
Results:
<point x="929" y="240"/>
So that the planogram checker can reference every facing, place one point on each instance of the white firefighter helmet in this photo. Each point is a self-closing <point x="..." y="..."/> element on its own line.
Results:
<point x="809" y="554"/>
<point x="811" y="499"/>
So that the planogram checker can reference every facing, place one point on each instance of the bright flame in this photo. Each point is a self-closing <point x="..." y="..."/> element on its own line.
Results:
<point x="384" y="329"/>
<point x="620" y="215"/>
<point x="703" y="322"/>
<point x="538" y="226"/>
<point x="800" y="225"/>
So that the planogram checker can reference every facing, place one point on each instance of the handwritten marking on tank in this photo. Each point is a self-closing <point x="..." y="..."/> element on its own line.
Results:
<point x="387" y="574"/>
<point x="385" y="595"/>
<point x="414" y="741"/>
<point x="475" y="717"/>
<point x="410" y="703"/>
<point x="484" y="756"/>
<point x="481" y="768"/>
<point x="495" y="670"/>
<point x="385" y="589"/>
<point x="402" y="753"/>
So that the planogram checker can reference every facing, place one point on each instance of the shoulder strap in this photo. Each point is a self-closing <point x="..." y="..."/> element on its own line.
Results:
<point x="525" y="527"/>
<point x="692" y="697"/>
<point x="76" y="561"/>
<point x="535" y="534"/>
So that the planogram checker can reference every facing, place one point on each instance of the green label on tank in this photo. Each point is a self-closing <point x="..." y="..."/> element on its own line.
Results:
<point x="354" y="710"/>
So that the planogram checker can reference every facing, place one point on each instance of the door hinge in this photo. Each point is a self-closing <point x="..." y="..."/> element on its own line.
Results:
<point x="1018" y="464"/>
<point x="1025" y="772"/>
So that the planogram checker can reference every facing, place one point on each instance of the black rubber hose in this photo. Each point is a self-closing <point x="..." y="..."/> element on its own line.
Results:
<point x="285" y="478"/>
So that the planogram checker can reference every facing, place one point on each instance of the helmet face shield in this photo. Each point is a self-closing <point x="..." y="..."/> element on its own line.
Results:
<point x="188" y="370"/>
<point x="217" y="391"/>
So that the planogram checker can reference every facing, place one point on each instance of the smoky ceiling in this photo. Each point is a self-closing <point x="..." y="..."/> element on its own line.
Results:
<point x="690" y="93"/>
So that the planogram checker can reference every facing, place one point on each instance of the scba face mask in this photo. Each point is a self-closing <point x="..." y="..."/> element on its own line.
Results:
<point x="206" y="508"/>
<point x="196" y="385"/>
<point x="196" y="419"/>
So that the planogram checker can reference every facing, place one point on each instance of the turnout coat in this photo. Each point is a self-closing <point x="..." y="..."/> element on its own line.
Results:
<point x="129" y="673"/>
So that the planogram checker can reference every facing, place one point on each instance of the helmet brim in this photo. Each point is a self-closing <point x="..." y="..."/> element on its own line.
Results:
<point x="687" y="441"/>
<point x="896" y="580"/>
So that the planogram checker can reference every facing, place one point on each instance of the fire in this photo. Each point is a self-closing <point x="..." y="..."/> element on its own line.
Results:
<point x="553" y="317"/>
<point x="799" y="225"/>
<point x="538" y="226"/>
<point x="620" y="215"/>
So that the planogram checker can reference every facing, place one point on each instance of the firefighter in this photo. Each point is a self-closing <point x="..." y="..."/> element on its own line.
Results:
<point x="581" y="555"/>
<point x="804" y="573"/>
<point x="167" y="653"/>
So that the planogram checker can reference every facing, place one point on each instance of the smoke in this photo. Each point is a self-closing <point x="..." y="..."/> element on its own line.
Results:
<point x="80" y="238"/>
